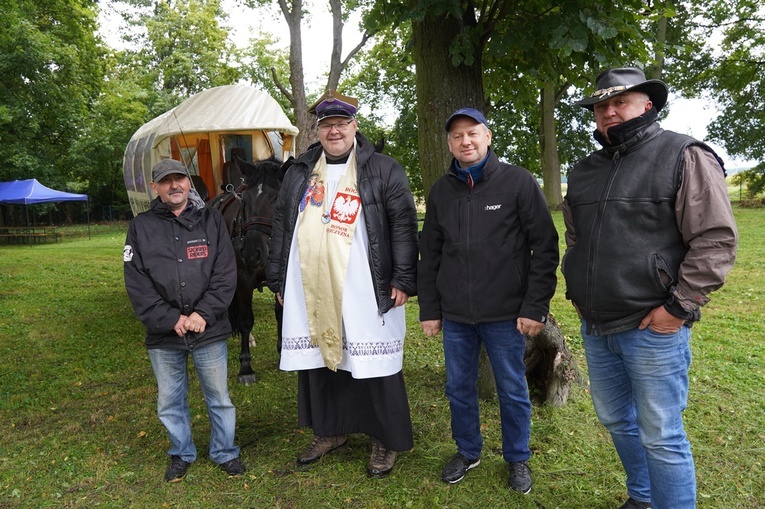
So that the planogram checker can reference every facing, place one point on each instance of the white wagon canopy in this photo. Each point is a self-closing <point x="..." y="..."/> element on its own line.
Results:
<point x="205" y="132"/>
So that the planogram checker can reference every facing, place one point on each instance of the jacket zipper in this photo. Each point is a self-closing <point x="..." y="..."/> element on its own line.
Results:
<point x="471" y="306"/>
<point x="594" y="244"/>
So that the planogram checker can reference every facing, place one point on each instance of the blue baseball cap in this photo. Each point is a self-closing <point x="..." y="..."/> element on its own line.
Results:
<point x="467" y="112"/>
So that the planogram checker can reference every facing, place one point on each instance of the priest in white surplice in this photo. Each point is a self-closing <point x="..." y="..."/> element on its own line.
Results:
<point x="343" y="263"/>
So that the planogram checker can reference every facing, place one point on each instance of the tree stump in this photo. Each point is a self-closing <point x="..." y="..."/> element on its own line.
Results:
<point x="550" y="367"/>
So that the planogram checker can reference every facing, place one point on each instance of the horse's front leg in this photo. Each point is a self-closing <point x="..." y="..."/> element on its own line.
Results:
<point x="246" y="375"/>
<point x="245" y="321"/>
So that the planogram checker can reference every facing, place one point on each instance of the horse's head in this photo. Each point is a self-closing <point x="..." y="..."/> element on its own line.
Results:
<point x="263" y="179"/>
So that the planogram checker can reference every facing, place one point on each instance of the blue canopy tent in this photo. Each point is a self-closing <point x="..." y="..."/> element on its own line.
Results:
<point x="30" y="191"/>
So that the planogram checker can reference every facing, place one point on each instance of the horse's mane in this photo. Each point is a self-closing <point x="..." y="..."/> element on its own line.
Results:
<point x="266" y="172"/>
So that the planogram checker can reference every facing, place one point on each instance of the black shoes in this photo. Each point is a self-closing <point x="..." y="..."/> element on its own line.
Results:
<point x="176" y="470"/>
<point x="319" y="447"/>
<point x="457" y="467"/>
<point x="520" y="477"/>
<point x="234" y="467"/>
<point x="631" y="503"/>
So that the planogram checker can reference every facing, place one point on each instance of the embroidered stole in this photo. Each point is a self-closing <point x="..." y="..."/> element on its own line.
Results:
<point x="325" y="231"/>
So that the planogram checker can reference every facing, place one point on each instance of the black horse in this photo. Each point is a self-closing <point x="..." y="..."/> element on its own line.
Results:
<point x="249" y="212"/>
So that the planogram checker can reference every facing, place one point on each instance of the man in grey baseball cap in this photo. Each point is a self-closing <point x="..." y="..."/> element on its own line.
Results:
<point x="180" y="276"/>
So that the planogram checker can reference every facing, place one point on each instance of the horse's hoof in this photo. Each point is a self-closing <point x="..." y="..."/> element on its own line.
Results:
<point x="247" y="379"/>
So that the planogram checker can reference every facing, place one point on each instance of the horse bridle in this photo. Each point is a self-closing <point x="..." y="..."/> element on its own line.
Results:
<point x="244" y="223"/>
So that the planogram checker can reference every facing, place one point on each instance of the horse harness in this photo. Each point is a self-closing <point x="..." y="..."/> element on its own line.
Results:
<point x="242" y="223"/>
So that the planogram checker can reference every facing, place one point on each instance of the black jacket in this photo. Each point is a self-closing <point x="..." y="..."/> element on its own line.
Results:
<point x="389" y="212"/>
<point x="629" y="248"/>
<point x="177" y="265"/>
<point x="489" y="253"/>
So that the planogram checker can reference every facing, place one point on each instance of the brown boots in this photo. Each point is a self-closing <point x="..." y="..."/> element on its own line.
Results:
<point x="319" y="447"/>
<point x="380" y="462"/>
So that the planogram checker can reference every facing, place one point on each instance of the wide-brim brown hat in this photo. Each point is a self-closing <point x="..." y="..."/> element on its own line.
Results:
<point x="613" y="82"/>
<point x="334" y="104"/>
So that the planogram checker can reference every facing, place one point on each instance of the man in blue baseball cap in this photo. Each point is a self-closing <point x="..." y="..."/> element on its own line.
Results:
<point x="488" y="255"/>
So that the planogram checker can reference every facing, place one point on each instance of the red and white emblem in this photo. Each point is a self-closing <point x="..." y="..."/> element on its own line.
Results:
<point x="345" y="208"/>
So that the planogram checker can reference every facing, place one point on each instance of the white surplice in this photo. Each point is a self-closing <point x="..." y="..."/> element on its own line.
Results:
<point x="373" y="344"/>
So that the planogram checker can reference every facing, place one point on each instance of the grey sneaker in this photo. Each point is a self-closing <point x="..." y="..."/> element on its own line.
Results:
<point x="234" y="467"/>
<point x="457" y="467"/>
<point x="176" y="470"/>
<point x="631" y="503"/>
<point x="520" y="477"/>
<point x="319" y="447"/>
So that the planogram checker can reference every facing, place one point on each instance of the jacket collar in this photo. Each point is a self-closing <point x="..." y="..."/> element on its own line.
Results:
<point x="188" y="218"/>
<point x="488" y="166"/>
<point x="630" y="133"/>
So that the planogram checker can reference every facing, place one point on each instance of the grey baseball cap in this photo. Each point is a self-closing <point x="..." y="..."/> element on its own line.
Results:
<point x="167" y="167"/>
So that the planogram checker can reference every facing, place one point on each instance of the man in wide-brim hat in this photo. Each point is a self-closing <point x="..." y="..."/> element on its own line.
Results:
<point x="613" y="82"/>
<point x="649" y="234"/>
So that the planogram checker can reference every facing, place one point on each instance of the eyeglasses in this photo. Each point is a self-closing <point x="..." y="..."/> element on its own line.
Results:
<point x="340" y="126"/>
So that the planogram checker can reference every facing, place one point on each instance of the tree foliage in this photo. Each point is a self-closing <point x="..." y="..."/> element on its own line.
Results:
<point x="125" y="103"/>
<point x="528" y="56"/>
<point x="181" y="46"/>
<point x="68" y="105"/>
<point x="736" y="79"/>
<point x="50" y="75"/>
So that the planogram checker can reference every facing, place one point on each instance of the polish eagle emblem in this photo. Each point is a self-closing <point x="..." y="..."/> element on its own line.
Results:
<point x="345" y="208"/>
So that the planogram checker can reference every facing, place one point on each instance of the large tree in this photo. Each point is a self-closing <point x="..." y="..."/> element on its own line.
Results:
<point x="517" y="61"/>
<point x="447" y="48"/>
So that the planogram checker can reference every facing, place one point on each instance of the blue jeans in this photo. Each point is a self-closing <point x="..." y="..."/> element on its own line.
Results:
<point x="639" y="386"/>
<point x="171" y="371"/>
<point x="505" y="347"/>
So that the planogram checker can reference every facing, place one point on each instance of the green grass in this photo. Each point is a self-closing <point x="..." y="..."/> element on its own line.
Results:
<point x="78" y="426"/>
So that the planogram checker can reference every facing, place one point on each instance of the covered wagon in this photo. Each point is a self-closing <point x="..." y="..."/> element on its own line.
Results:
<point x="205" y="132"/>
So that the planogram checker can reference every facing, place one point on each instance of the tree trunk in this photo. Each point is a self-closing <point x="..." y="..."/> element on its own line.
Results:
<point x="305" y="123"/>
<point x="293" y="14"/>
<point x="441" y="89"/>
<point x="656" y="69"/>
<point x="550" y="368"/>
<point x="549" y="147"/>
